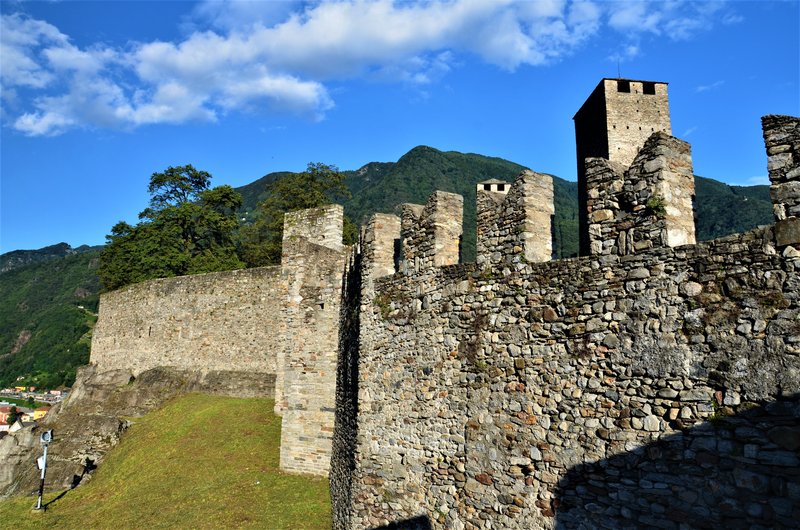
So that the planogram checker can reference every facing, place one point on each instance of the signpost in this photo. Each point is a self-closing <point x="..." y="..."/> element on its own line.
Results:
<point x="41" y="462"/>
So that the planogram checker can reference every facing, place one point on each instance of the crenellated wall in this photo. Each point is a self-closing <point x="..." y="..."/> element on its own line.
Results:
<point x="613" y="123"/>
<point x="647" y="205"/>
<point x="783" y="147"/>
<point x="515" y="221"/>
<point x="432" y="233"/>
<point x="653" y="383"/>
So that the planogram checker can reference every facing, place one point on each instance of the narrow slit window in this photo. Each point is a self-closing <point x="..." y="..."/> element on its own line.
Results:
<point x="649" y="88"/>
<point x="624" y="86"/>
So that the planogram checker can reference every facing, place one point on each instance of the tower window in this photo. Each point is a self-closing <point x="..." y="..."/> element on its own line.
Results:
<point x="623" y="86"/>
<point x="649" y="88"/>
<point x="487" y="187"/>
<point x="501" y="187"/>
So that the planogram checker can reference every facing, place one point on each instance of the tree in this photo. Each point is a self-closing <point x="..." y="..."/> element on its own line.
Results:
<point x="13" y="415"/>
<point x="176" y="186"/>
<point x="187" y="229"/>
<point x="318" y="185"/>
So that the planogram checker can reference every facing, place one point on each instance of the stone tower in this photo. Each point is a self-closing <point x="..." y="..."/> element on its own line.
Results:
<point x="613" y="123"/>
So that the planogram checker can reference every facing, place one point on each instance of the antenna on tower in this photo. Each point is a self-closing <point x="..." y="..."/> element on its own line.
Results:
<point x="619" y="75"/>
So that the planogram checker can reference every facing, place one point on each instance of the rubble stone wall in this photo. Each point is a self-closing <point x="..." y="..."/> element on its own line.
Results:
<point x="517" y="224"/>
<point x="659" y="387"/>
<point x="432" y="233"/>
<point x="645" y="206"/>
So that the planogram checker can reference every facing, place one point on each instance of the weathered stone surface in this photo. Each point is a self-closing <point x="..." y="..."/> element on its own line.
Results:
<point x="515" y="225"/>
<point x="648" y="386"/>
<point x="787" y="232"/>
<point x="281" y="323"/>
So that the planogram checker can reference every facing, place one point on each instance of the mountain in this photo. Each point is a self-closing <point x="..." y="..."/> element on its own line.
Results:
<point x="47" y="310"/>
<point x="420" y="172"/>
<point x="48" y="297"/>
<point x="20" y="258"/>
<point x="720" y="209"/>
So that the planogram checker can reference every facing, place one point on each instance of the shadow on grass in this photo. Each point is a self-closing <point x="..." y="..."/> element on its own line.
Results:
<point x="88" y="467"/>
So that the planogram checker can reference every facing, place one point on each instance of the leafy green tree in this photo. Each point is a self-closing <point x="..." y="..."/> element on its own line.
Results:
<point x="188" y="228"/>
<point x="318" y="185"/>
<point x="13" y="415"/>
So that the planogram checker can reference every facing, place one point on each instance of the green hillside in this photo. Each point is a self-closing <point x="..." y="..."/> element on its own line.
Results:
<point x="198" y="462"/>
<point x="20" y="258"/>
<point x="721" y="209"/>
<point x="47" y="310"/>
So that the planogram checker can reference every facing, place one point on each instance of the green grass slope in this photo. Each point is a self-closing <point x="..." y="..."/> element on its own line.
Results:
<point x="47" y="311"/>
<point x="198" y="462"/>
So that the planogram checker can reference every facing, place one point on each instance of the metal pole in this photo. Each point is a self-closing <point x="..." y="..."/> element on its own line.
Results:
<point x="41" y="484"/>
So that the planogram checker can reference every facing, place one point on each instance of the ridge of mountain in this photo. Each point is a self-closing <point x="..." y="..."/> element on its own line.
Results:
<point x="20" y="258"/>
<point x="48" y="296"/>
<point x="720" y="209"/>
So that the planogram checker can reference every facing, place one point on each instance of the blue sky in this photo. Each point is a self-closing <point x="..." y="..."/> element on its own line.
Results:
<point x="96" y="96"/>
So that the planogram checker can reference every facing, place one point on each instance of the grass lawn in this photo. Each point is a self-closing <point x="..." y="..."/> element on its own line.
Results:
<point x="198" y="462"/>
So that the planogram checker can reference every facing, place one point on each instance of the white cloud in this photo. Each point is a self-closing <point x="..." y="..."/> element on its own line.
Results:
<point x="628" y="52"/>
<point x="759" y="180"/>
<point x="255" y="56"/>
<point x="674" y="19"/>
<point x="689" y="131"/>
<point x="19" y="39"/>
<point x="712" y="86"/>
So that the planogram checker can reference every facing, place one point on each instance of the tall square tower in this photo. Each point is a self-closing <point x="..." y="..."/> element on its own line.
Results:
<point x="613" y="123"/>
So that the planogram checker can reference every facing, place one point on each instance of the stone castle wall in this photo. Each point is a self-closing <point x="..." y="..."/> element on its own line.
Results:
<point x="307" y="367"/>
<point x="649" y="384"/>
<point x="654" y="382"/>
<point x="282" y="322"/>
<point x="613" y="123"/>
<point x="218" y="321"/>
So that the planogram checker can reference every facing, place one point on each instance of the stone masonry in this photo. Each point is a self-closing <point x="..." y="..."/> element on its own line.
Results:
<point x="313" y="263"/>
<point x="203" y="322"/>
<point x="646" y="206"/>
<point x="654" y="383"/>
<point x="282" y="322"/>
<point x="613" y="123"/>
<point x="521" y="218"/>
<point x="781" y="137"/>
